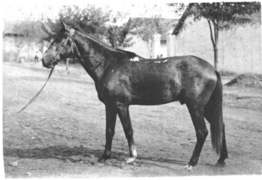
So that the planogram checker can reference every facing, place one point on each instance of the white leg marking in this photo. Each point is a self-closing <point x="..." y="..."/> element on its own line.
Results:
<point x="132" y="159"/>
<point x="134" y="151"/>
<point x="188" y="167"/>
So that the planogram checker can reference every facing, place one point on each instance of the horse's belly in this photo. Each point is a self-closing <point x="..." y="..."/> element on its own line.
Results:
<point x="151" y="97"/>
<point x="151" y="101"/>
<point x="155" y="90"/>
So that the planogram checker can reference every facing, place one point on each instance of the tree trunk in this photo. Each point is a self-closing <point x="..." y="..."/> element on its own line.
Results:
<point x="67" y="64"/>
<point x="216" y="64"/>
<point x="216" y="59"/>
<point x="214" y="39"/>
<point x="150" y="49"/>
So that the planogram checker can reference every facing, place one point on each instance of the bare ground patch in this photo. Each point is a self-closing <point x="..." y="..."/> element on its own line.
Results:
<point x="62" y="133"/>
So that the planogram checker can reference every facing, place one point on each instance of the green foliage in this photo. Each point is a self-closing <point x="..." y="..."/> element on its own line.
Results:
<point x="93" y="21"/>
<point x="179" y="8"/>
<point x="26" y="35"/>
<point x="146" y="28"/>
<point x="90" y="19"/>
<point x="221" y="13"/>
<point x="31" y="30"/>
<point x="117" y="36"/>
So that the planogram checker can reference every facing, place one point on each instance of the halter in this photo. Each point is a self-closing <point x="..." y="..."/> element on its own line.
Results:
<point x="63" y="45"/>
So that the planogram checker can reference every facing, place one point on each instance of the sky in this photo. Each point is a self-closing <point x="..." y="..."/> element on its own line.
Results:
<point x="20" y="10"/>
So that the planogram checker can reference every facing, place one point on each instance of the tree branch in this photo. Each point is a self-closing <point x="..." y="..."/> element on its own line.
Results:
<point x="220" y="14"/>
<point x="140" y="33"/>
<point x="211" y="33"/>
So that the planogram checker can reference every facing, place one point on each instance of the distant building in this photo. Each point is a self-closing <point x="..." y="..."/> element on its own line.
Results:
<point x="15" y="47"/>
<point x="239" y="48"/>
<point x="159" y="45"/>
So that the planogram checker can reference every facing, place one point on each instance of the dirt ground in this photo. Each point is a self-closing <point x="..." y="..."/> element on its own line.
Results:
<point x="62" y="133"/>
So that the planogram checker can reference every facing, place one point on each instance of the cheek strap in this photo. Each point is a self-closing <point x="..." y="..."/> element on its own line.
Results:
<point x="71" y="33"/>
<point x="68" y="39"/>
<point x="72" y="45"/>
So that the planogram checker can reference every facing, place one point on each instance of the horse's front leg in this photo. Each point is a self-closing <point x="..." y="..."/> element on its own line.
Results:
<point x="110" y="131"/>
<point x="123" y="113"/>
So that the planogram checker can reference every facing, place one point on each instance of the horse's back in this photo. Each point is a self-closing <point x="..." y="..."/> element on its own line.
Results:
<point x="159" y="81"/>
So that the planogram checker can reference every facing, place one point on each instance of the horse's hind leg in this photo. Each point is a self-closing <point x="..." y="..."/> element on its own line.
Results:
<point x="211" y="117"/>
<point x="214" y="115"/>
<point x="123" y="113"/>
<point x="223" y="152"/>
<point x="196" y="111"/>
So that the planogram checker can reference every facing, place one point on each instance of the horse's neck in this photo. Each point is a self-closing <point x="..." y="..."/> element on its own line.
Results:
<point x="93" y="56"/>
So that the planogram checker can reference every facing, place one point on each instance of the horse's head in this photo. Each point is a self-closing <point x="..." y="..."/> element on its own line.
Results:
<point x="62" y="47"/>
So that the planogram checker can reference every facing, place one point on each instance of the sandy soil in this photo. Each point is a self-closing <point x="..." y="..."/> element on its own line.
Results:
<point x="63" y="132"/>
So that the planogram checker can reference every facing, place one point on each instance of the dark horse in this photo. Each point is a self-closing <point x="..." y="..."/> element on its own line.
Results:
<point x="123" y="78"/>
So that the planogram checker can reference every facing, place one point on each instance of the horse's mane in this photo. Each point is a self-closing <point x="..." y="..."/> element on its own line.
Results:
<point x="101" y="43"/>
<point x="129" y="53"/>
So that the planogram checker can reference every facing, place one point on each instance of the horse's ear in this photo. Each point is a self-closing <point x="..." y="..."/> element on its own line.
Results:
<point x="64" y="25"/>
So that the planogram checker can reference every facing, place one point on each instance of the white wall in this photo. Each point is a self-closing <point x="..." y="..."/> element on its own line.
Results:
<point x="140" y="47"/>
<point x="239" y="49"/>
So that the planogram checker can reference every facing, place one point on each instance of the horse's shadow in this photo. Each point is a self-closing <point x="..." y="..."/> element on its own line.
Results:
<point x="57" y="152"/>
<point x="77" y="154"/>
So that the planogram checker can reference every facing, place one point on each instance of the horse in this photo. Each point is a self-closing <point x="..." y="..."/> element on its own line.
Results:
<point x="123" y="78"/>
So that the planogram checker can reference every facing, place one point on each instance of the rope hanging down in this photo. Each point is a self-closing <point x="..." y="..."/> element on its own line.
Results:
<point x="71" y="33"/>
<point x="32" y="100"/>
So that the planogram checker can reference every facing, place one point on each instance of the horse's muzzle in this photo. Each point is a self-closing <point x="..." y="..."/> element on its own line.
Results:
<point x="49" y="65"/>
<point x="43" y="62"/>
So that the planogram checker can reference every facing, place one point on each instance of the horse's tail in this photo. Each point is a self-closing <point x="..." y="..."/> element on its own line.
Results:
<point x="214" y="114"/>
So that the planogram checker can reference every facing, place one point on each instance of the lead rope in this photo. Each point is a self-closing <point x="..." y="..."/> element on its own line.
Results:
<point x="72" y="31"/>
<point x="28" y="128"/>
<point x="30" y="102"/>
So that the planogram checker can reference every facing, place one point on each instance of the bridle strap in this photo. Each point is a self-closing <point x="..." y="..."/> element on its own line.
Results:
<point x="71" y="33"/>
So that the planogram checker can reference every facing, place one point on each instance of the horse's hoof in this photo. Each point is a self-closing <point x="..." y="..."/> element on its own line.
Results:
<point x="220" y="164"/>
<point x="130" y="160"/>
<point x="102" y="159"/>
<point x="188" y="167"/>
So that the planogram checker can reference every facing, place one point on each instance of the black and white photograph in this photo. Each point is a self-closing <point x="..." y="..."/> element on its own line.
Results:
<point x="131" y="88"/>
